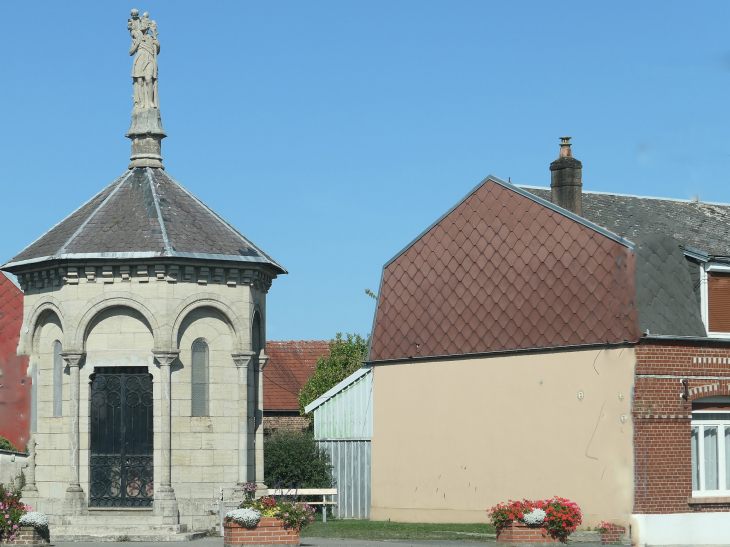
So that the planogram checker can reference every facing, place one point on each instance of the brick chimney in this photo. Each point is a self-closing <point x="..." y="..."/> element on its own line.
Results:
<point x="565" y="180"/>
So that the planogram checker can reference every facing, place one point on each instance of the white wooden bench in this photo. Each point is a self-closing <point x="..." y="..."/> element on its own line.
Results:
<point x="324" y="492"/>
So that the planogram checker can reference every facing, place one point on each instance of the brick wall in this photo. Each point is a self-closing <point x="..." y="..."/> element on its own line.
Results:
<point x="519" y="532"/>
<point x="286" y="422"/>
<point x="662" y="451"/>
<point x="269" y="531"/>
<point x="27" y="535"/>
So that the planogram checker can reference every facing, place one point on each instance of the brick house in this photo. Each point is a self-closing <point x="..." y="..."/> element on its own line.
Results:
<point x="15" y="387"/>
<point x="290" y="364"/>
<point x="560" y="339"/>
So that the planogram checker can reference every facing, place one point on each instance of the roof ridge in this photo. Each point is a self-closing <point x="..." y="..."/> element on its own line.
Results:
<point x="597" y="192"/>
<point x="156" y="199"/>
<point x="295" y="341"/>
<point x="223" y="221"/>
<point x="64" y="219"/>
<point x="59" y="252"/>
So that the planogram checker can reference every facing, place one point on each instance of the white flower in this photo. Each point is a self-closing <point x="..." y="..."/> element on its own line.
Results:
<point x="245" y="517"/>
<point x="536" y="517"/>
<point x="39" y="521"/>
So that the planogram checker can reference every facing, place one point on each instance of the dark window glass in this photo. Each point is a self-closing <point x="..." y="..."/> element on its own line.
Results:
<point x="57" y="380"/>
<point x="199" y="373"/>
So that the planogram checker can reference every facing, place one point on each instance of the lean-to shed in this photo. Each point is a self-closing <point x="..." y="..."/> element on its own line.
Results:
<point x="343" y="425"/>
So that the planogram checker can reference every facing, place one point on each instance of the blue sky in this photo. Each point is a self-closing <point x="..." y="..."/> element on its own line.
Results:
<point x="332" y="133"/>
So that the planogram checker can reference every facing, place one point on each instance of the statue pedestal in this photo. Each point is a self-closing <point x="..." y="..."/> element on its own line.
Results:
<point x="146" y="133"/>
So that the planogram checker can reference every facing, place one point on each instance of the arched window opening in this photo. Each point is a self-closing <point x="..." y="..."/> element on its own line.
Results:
<point x="199" y="372"/>
<point x="256" y="334"/>
<point x="57" y="380"/>
<point x="710" y="440"/>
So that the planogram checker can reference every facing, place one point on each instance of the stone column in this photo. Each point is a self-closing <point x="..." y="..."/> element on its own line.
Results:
<point x="242" y="360"/>
<point x="165" y="501"/>
<point x="30" y="490"/>
<point x="75" y="499"/>
<point x="262" y="360"/>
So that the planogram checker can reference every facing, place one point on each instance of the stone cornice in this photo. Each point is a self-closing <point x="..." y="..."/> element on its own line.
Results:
<point x="108" y="273"/>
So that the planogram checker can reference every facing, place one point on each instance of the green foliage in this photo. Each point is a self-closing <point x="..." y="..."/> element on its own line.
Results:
<point x="294" y="459"/>
<point x="345" y="357"/>
<point x="7" y="445"/>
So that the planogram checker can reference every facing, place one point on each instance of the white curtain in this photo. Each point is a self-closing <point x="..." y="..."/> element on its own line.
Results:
<point x="727" y="458"/>
<point x="711" y="478"/>
<point x="695" y="458"/>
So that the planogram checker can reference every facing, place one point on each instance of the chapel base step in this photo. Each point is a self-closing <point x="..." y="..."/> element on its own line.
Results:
<point x="122" y="532"/>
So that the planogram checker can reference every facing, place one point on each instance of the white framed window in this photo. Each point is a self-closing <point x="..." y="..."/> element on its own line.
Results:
<point x="710" y="441"/>
<point x="715" y="296"/>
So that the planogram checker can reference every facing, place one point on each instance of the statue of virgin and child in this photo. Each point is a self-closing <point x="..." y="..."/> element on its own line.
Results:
<point x="144" y="70"/>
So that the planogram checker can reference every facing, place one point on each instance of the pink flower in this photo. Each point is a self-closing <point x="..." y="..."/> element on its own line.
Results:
<point x="15" y="526"/>
<point x="12" y="537"/>
<point x="311" y="518"/>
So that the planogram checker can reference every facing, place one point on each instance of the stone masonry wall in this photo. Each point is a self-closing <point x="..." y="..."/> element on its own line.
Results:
<point x="663" y="470"/>
<point x="118" y="316"/>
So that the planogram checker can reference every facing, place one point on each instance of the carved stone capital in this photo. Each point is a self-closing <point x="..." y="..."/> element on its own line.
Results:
<point x="72" y="357"/>
<point x="242" y="358"/>
<point x="166" y="356"/>
<point x="263" y="359"/>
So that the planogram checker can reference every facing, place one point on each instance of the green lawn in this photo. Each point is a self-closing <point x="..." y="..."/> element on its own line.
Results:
<point x="380" y="530"/>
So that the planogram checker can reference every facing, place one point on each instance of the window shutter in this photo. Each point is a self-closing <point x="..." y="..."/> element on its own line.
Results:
<point x="718" y="289"/>
<point x="199" y="378"/>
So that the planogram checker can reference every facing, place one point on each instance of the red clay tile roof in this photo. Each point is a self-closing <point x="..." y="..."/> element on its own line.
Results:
<point x="15" y="391"/>
<point x="503" y="271"/>
<point x="290" y="365"/>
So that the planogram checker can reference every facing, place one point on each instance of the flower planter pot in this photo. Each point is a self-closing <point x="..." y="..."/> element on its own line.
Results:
<point x="518" y="532"/>
<point x="269" y="531"/>
<point x="613" y="534"/>
<point x="27" y="535"/>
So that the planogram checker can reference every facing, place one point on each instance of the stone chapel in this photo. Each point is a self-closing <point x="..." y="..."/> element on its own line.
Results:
<point x="145" y="326"/>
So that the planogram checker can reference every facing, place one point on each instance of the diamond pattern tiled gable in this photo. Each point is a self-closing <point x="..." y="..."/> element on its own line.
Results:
<point x="504" y="272"/>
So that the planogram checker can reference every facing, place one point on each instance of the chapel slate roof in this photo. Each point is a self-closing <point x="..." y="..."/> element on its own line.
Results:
<point x="697" y="224"/>
<point x="290" y="365"/>
<point x="145" y="213"/>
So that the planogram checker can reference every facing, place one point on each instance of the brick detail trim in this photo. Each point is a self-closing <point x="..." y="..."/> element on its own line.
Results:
<point x="709" y="390"/>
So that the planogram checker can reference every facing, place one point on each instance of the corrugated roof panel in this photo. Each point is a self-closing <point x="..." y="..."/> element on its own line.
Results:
<point x="347" y="414"/>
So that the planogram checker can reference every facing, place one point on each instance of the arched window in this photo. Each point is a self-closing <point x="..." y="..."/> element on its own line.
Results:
<point x="199" y="373"/>
<point x="57" y="380"/>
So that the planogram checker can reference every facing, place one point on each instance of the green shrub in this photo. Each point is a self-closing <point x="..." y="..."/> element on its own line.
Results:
<point x="346" y="356"/>
<point x="295" y="459"/>
<point x="7" y="445"/>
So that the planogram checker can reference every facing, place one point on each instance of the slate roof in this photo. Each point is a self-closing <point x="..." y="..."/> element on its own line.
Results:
<point x="697" y="224"/>
<point x="665" y="296"/>
<point x="145" y="213"/>
<point x="504" y="270"/>
<point x="290" y="364"/>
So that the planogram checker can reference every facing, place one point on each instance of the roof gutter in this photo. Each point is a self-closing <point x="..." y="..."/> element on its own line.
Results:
<point x="501" y="353"/>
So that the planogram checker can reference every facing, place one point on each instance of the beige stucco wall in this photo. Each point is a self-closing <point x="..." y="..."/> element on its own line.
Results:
<point x="125" y="320"/>
<point x="453" y="438"/>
